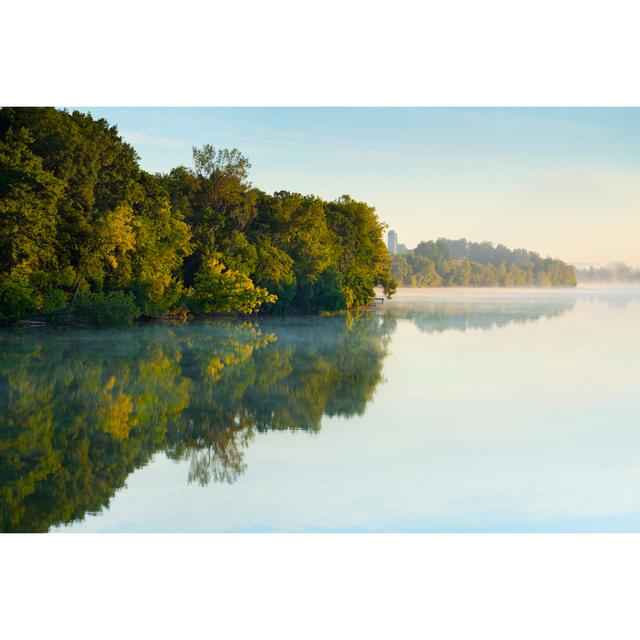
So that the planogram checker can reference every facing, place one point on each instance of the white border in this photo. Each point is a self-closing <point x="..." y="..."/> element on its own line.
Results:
<point x="320" y="586"/>
<point x="335" y="52"/>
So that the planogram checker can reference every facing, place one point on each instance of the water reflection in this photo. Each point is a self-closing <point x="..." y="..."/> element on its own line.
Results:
<point x="80" y="411"/>
<point x="436" y="317"/>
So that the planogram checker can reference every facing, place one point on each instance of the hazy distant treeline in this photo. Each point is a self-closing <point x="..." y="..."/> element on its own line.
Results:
<point x="617" y="272"/>
<point x="460" y="263"/>
<point x="86" y="234"/>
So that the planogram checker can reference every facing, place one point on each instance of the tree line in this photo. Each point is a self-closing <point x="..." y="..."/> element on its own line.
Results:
<point x="460" y="263"/>
<point x="86" y="234"/>
<point x="616" y="272"/>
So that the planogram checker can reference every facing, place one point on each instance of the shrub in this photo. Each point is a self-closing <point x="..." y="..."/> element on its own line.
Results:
<point x="16" y="299"/>
<point x="220" y="290"/>
<point x="115" y="309"/>
<point x="53" y="301"/>
<point x="156" y="299"/>
<point x="328" y="294"/>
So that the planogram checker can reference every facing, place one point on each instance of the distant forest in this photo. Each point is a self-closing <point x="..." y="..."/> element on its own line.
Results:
<point x="86" y="235"/>
<point x="460" y="263"/>
<point x="617" y="272"/>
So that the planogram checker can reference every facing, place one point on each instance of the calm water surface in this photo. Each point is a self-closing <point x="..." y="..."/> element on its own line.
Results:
<point x="443" y="410"/>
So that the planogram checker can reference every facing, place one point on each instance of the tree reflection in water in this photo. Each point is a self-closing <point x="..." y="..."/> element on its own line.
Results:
<point x="463" y="315"/>
<point x="80" y="411"/>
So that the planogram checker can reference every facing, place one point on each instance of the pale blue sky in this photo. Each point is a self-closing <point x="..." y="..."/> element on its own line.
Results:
<point x="564" y="182"/>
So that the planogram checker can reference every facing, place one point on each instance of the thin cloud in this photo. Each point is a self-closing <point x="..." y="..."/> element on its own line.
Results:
<point x="150" y="139"/>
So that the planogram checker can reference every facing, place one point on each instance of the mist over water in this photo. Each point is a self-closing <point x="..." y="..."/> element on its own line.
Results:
<point x="440" y="410"/>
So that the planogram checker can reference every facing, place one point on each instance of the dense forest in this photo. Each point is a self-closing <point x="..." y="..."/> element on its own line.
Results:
<point x="617" y="272"/>
<point x="460" y="263"/>
<point x="87" y="235"/>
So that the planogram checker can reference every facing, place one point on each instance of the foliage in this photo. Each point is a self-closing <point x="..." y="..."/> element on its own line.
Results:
<point x="214" y="163"/>
<point x="29" y="196"/>
<point x="459" y="263"/>
<point x="16" y="298"/>
<point x="362" y="259"/>
<point x="79" y="216"/>
<point x="114" y="309"/>
<point x="162" y="241"/>
<point x="221" y="290"/>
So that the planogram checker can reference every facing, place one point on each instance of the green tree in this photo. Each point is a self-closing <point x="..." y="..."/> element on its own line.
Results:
<point x="221" y="290"/>
<point x="464" y="263"/>
<point x="29" y="197"/>
<point x="79" y="217"/>
<point x="162" y="241"/>
<point x="362" y="260"/>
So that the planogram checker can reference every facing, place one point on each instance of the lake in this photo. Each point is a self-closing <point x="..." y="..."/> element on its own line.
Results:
<point x="441" y="410"/>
